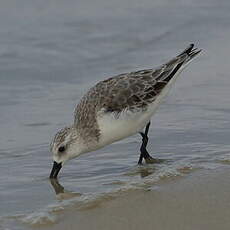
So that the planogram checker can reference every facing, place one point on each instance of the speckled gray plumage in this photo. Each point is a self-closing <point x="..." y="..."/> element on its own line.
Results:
<point x="60" y="136"/>
<point x="130" y="91"/>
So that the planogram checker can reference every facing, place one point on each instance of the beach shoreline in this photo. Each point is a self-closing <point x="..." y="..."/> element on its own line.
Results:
<point x="199" y="200"/>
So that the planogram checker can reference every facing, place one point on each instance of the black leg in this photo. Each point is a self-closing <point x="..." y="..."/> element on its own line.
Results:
<point x="144" y="153"/>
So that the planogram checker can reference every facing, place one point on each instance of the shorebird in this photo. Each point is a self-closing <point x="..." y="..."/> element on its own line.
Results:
<point x="116" y="108"/>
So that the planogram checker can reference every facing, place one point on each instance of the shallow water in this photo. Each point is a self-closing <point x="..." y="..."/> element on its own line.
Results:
<point x="52" y="52"/>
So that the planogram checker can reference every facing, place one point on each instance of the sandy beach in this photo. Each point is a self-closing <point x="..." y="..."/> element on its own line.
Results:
<point x="197" y="201"/>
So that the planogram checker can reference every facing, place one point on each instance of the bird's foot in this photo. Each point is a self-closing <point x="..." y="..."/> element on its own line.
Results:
<point x="151" y="160"/>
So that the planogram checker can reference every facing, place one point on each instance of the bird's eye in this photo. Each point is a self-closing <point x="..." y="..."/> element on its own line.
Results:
<point x="61" y="149"/>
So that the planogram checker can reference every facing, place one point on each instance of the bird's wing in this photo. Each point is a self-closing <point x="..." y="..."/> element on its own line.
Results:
<point x="131" y="91"/>
<point x="136" y="90"/>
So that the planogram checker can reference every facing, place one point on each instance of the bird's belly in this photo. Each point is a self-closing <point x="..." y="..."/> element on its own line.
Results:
<point x="114" y="128"/>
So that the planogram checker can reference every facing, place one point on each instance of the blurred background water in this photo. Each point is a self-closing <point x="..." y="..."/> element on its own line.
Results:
<point x="52" y="51"/>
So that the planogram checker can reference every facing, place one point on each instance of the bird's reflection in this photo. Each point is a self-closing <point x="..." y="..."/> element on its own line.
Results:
<point x="145" y="169"/>
<point x="61" y="192"/>
<point x="142" y="171"/>
<point x="58" y="188"/>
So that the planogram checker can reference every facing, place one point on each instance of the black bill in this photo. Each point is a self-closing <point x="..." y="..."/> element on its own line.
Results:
<point x="55" y="170"/>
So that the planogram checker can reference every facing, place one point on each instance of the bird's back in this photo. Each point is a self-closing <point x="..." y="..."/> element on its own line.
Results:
<point x="133" y="92"/>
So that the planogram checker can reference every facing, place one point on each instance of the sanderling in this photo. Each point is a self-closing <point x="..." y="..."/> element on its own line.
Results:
<point x="116" y="108"/>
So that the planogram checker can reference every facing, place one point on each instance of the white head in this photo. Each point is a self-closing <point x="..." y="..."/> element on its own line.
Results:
<point x="65" y="145"/>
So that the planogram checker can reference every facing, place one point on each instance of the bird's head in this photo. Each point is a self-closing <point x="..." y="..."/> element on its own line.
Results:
<point x="65" y="146"/>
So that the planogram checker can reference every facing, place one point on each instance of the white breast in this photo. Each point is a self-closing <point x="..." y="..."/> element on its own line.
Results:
<point x="128" y="123"/>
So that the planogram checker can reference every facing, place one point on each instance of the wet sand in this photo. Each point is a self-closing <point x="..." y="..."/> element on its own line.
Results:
<point x="199" y="200"/>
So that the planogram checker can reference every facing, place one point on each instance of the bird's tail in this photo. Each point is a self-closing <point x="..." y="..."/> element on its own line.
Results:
<point x="173" y="67"/>
<point x="189" y="53"/>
